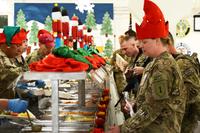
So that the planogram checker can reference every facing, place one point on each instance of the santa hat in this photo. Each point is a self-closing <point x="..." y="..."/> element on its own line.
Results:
<point x="13" y="35"/>
<point x="46" y="38"/>
<point x="153" y="24"/>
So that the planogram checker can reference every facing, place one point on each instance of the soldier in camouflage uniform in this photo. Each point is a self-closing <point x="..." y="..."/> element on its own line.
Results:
<point x="46" y="44"/>
<point x="190" y="71"/>
<point x="10" y="47"/>
<point x="134" y="70"/>
<point x="136" y="66"/>
<point x="161" y="97"/>
<point x="119" y="74"/>
<point x="20" y="61"/>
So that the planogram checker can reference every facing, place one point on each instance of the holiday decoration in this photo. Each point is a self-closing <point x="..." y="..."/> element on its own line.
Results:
<point x="85" y="37"/>
<point x="182" y="28"/>
<point x="90" y="20"/>
<point x="108" y="48"/>
<point x="106" y="28"/>
<point x="56" y="18"/>
<point x="57" y="25"/>
<point x="84" y="5"/>
<point x="56" y="64"/>
<point x="153" y="24"/>
<point x="74" y="30"/>
<point x="65" y="25"/>
<point x="80" y="33"/>
<point x="67" y="53"/>
<point x="48" y="24"/>
<point x="89" y="36"/>
<point x="21" y="20"/>
<point x="33" y="39"/>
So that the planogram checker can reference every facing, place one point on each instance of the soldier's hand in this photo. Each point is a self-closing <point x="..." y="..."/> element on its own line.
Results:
<point x="129" y="73"/>
<point x="138" y="70"/>
<point x="127" y="106"/>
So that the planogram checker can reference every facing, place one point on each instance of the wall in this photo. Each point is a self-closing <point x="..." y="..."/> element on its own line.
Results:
<point x="173" y="10"/>
<point x="121" y="12"/>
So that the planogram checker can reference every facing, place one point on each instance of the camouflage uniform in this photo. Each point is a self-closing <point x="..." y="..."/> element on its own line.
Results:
<point x="190" y="72"/>
<point x="161" y="99"/>
<point x="118" y="74"/>
<point x="140" y="61"/>
<point x="34" y="56"/>
<point x="133" y="80"/>
<point x="20" y="62"/>
<point x="8" y="74"/>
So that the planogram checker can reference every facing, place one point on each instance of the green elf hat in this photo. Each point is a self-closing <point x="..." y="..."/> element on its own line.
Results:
<point x="10" y="31"/>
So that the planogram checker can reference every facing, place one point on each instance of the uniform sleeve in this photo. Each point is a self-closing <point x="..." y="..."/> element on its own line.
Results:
<point x="191" y="79"/>
<point x="158" y="96"/>
<point x="8" y="70"/>
<point x="113" y="63"/>
<point x="33" y="57"/>
<point x="28" y="59"/>
<point x="113" y="59"/>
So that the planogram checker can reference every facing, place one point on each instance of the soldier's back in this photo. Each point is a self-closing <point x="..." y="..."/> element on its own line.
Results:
<point x="190" y="72"/>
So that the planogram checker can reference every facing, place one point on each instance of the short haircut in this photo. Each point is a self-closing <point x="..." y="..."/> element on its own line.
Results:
<point x="127" y="37"/>
<point x="121" y="39"/>
<point x="171" y="38"/>
<point x="130" y="32"/>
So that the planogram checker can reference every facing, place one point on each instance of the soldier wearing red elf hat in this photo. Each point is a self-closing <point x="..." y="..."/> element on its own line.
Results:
<point x="12" y="41"/>
<point x="46" y="44"/>
<point x="161" y="97"/>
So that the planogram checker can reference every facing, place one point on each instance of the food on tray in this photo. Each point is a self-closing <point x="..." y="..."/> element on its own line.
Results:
<point x="102" y="107"/>
<point x="74" y="118"/>
<point x="25" y="115"/>
<point x="104" y="101"/>
<point x="106" y="98"/>
<point x="101" y="114"/>
<point x="94" y="100"/>
<point x="62" y="94"/>
<point x="95" y="95"/>
<point x="14" y="114"/>
<point x="18" y="115"/>
<point x="79" y="113"/>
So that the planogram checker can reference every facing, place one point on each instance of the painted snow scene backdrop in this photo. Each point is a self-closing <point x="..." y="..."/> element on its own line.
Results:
<point x="97" y="16"/>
